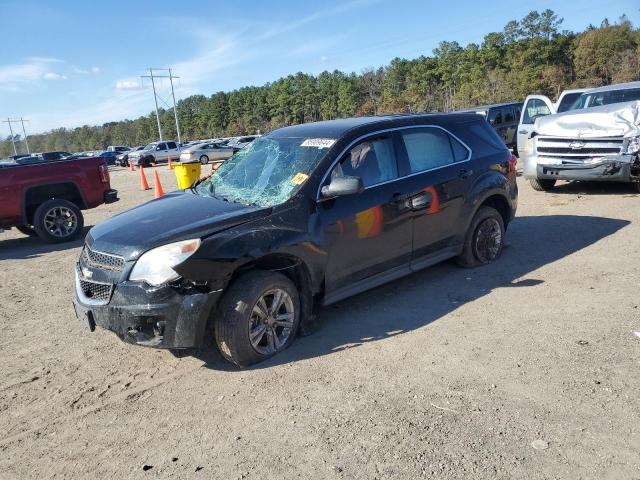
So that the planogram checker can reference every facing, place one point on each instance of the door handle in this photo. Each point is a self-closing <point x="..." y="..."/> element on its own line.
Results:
<point x="464" y="173"/>
<point x="422" y="201"/>
<point x="522" y="132"/>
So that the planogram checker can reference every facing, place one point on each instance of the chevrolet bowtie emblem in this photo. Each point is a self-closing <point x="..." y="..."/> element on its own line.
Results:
<point x="578" y="145"/>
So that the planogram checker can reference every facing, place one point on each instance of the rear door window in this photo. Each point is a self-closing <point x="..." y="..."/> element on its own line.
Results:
<point x="495" y="117"/>
<point x="509" y="115"/>
<point x="172" y="145"/>
<point x="428" y="148"/>
<point x="373" y="160"/>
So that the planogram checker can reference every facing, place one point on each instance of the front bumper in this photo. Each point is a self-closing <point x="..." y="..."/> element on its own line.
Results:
<point x="612" y="168"/>
<point x="160" y="317"/>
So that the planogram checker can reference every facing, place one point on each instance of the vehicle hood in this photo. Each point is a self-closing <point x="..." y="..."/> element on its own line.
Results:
<point x="177" y="216"/>
<point x="615" y="120"/>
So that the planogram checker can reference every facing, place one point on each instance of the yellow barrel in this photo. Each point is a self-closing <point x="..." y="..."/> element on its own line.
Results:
<point x="186" y="173"/>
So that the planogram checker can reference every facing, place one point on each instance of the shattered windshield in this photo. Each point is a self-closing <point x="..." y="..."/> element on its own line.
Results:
<point x="267" y="172"/>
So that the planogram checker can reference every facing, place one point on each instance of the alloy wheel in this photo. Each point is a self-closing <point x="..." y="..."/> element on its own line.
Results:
<point x="271" y="321"/>
<point x="488" y="240"/>
<point x="60" y="222"/>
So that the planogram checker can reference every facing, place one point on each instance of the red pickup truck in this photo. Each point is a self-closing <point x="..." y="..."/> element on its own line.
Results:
<point x="45" y="198"/>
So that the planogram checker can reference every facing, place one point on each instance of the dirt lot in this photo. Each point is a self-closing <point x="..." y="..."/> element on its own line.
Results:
<point x="527" y="368"/>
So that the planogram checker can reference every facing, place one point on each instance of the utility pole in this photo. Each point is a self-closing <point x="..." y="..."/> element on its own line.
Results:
<point x="24" y="132"/>
<point x="153" y="76"/>
<point x="13" y="140"/>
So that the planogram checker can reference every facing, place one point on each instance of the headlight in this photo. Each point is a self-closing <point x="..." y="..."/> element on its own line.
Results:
<point x="633" y="146"/>
<point x="156" y="266"/>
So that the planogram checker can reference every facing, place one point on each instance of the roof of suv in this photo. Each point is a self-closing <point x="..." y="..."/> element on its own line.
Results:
<point x="615" y="86"/>
<point x="487" y="107"/>
<point x="337" y="128"/>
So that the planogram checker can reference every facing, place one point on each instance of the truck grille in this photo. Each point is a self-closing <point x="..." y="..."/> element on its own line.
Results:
<point x="95" y="291"/>
<point x="102" y="260"/>
<point x="577" y="150"/>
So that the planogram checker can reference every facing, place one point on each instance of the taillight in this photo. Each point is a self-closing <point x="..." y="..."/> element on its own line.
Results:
<point x="103" y="171"/>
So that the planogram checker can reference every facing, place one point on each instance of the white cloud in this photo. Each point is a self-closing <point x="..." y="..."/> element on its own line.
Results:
<point x="129" y="84"/>
<point x="53" y="76"/>
<point x="95" y="70"/>
<point x="324" y="58"/>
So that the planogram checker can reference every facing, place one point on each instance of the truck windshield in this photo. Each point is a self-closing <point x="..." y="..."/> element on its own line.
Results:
<point x="267" y="172"/>
<point x="597" y="99"/>
<point x="569" y="102"/>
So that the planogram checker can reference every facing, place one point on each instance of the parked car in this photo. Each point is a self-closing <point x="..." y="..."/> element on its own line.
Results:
<point x="40" y="200"/>
<point x="123" y="158"/>
<point x="205" y="152"/>
<point x="303" y="217"/>
<point x="239" y="143"/>
<point x="109" y="156"/>
<point x="156" y="152"/>
<point x="597" y="141"/>
<point x="118" y="148"/>
<point x="503" y="117"/>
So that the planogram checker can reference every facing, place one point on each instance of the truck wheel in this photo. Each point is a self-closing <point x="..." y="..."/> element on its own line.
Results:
<point x="542" y="185"/>
<point x="26" y="229"/>
<point x="57" y="221"/>
<point x="204" y="159"/>
<point x="484" y="240"/>
<point x="257" y="317"/>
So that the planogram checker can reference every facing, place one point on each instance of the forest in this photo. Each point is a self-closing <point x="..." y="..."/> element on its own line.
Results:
<point x="531" y="55"/>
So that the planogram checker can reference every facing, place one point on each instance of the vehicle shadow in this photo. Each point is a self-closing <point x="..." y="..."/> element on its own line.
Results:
<point x="30" y="247"/>
<point x="595" y="188"/>
<point x="426" y="296"/>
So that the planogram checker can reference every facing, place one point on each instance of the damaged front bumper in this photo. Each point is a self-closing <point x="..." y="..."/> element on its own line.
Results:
<point x="162" y="317"/>
<point x="612" y="168"/>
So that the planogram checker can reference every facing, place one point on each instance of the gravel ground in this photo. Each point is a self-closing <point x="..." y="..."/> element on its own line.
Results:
<point x="527" y="368"/>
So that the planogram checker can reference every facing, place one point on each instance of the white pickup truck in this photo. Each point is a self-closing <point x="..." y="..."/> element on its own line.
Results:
<point x="596" y="139"/>
<point x="156" y="152"/>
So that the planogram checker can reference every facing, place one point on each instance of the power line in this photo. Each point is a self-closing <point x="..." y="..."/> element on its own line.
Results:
<point x="153" y="76"/>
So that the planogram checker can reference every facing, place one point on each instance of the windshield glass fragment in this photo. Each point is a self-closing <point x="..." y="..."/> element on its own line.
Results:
<point x="267" y="172"/>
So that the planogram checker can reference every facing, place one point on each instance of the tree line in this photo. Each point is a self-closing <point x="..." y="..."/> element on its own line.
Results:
<point x="532" y="55"/>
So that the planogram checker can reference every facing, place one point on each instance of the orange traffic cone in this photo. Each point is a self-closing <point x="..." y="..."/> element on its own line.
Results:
<point x="170" y="165"/>
<point x="131" y="166"/>
<point x="144" y="185"/>
<point x="157" y="187"/>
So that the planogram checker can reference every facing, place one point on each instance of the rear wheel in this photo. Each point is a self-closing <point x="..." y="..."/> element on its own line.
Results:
<point x="541" y="185"/>
<point x="57" y="221"/>
<point x="484" y="240"/>
<point x="204" y="159"/>
<point x="257" y="317"/>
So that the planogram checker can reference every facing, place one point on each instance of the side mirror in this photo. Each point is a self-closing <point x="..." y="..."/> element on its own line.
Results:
<point x="340" y="186"/>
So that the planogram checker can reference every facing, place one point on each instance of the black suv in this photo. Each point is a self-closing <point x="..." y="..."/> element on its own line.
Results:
<point x="303" y="217"/>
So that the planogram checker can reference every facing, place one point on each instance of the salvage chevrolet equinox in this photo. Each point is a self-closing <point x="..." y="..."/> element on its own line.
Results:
<point x="303" y="217"/>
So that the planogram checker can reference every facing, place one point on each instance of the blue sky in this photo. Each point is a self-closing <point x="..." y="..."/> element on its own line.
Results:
<point x="70" y="63"/>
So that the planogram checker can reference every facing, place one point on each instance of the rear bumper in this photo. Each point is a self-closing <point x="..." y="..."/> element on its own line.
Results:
<point x="111" y="196"/>
<point x="613" y="168"/>
<point x="162" y="317"/>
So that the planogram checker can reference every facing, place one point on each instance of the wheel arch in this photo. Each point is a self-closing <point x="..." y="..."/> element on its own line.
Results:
<point x="35" y="195"/>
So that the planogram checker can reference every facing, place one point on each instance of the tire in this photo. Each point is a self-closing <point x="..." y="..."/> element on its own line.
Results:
<point x="540" y="185"/>
<point x="204" y="159"/>
<point x="636" y="187"/>
<point x="57" y="221"/>
<point x="236" y="318"/>
<point x="26" y="229"/>
<point x="484" y="239"/>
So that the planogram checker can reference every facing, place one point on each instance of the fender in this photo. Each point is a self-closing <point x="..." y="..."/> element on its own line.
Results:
<point x="489" y="184"/>
<point x="25" y="220"/>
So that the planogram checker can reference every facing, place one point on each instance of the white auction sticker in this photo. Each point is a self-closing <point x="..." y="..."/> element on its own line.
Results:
<point x="318" y="142"/>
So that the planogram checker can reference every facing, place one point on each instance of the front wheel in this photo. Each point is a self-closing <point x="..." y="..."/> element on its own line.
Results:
<point x="541" y="185"/>
<point x="484" y="240"/>
<point x="204" y="159"/>
<point x="57" y="221"/>
<point x="257" y="317"/>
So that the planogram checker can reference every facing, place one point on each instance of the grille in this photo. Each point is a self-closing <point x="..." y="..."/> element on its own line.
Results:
<point x="102" y="260"/>
<point x="99" y="292"/>
<point x="577" y="150"/>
